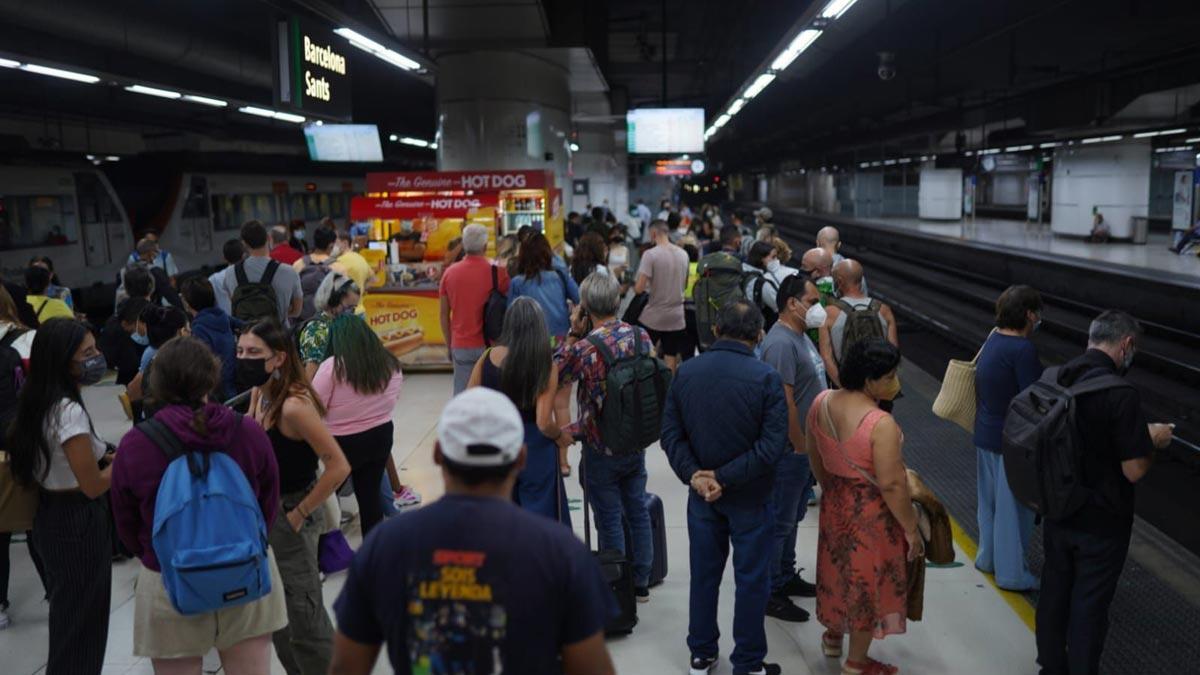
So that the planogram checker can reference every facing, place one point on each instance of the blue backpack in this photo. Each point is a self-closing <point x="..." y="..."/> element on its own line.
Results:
<point x="209" y="532"/>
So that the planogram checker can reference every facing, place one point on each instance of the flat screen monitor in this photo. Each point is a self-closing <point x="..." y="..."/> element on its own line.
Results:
<point x="343" y="143"/>
<point x="662" y="131"/>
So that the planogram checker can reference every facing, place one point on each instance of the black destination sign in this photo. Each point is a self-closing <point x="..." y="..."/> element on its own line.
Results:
<point x="313" y="70"/>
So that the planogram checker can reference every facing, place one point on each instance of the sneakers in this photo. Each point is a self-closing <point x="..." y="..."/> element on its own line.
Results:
<point x="642" y="594"/>
<point x="799" y="587"/>
<point x="781" y="607"/>
<point x="767" y="669"/>
<point x="701" y="665"/>
<point x="407" y="497"/>
<point x="5" y="622"/>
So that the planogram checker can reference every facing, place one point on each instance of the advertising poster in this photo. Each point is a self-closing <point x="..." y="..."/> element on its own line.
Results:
<point x="409" y="324"/>
<point x="1182" y="200"/>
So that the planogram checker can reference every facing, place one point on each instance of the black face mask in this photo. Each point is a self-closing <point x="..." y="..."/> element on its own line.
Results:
<point x="251" y="373"/>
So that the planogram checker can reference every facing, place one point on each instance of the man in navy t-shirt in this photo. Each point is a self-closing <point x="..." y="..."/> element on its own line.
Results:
<point x="472" y="583"/>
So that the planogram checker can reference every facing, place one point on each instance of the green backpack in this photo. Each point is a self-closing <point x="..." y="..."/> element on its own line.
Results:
<point x="721" y="281"/>
<point x="635" y="394"/>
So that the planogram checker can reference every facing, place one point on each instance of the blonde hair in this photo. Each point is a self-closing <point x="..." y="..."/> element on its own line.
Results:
<point x="782" y="250"/>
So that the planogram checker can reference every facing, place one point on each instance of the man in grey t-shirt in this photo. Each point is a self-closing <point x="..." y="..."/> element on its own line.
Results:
<point x="289" y="298"/>
<point x="792" y="354"/>
<point x="663" y="274"/>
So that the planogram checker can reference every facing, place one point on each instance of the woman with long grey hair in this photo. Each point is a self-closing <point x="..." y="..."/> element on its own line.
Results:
<point x="522" y="367"/>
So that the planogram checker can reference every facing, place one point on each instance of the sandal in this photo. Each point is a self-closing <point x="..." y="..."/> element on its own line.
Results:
<point x="831" y="644"/>
<point x="870" y="667"/>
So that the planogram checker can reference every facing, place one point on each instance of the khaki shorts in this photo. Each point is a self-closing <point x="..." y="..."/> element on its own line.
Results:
<point x="160" y="632"/>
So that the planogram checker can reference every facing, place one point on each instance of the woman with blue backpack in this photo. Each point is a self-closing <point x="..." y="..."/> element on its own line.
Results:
<point x="197" y="555"/>
<point x="284" y="403"/>
<point x="53" y="446"/>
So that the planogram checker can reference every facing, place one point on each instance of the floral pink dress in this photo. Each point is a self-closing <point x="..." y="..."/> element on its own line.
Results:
<point x="862" y="571"/>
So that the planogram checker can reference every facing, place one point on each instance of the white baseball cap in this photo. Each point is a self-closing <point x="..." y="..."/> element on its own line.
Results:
<point x="481" y="427"/>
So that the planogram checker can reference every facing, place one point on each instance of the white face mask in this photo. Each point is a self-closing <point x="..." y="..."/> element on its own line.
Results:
<point x="773" y="266"/>
<point x="815" y="316"/>
<point x="617" y="258"/>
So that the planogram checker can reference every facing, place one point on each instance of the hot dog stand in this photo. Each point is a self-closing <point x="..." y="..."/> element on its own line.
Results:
<point x="413" y="218"/>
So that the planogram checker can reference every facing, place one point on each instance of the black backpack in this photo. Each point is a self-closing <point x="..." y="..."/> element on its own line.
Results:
<point x="760" y="280"/>
<point x="12" y="377"/>
<point x="862" y="323"/>
<point x="1043" y="453"/>
<point x="311" y="276"/>
<point x="635" y="394"/>
<point x="255" y="300"/>
<point x="493" y="311"/>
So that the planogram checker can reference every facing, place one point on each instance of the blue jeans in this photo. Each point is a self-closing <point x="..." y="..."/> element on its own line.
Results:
<point x="388" y="499"/>
<point x="711" y="530"/>
<point x="789" y="504"/>
<point x="1005" y="526"/>
<point x="617" y="485"/>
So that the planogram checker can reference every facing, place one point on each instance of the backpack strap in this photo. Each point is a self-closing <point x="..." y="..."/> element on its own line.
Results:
<point x="239" y="272"/>
<point x="167" y="441"/>
<point x="874" y="306"/>
<point x="841" y="304"/>
<point x="42" y="308"/>
<point x="1100" y="382"/>
<point x="562" y="278"/>
<point x="10" y="337"/>
<point x="269" y="274"/>
<point x="495" y="279"/>
<point x="605" y="352"/>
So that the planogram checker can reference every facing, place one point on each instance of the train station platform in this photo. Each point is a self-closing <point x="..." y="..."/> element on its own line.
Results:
<point x="969" y="626"/>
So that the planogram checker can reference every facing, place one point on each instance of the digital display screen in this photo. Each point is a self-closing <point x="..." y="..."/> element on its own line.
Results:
<point x="343" y="143"/>
<point x="659" y="131"/>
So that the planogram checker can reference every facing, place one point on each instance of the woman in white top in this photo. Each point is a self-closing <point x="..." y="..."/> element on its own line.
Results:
<point x="761" y="287"/>
<point x="52" y="444"/>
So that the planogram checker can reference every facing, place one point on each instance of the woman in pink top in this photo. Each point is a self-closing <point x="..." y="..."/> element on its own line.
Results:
<point x="359" y="384"/>
<point x="868" y="529"/>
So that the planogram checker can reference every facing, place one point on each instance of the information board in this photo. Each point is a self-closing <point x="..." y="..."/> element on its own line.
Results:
<point x="343" y="143"/>
<point x="655" y="131"/>
<point x="312" y="70"/>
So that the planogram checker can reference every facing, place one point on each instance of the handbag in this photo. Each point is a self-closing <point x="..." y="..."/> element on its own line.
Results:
<point x="334" y="553"/>
<point x="18" y="503"/>
<point x="956" y="400"/>
<point x="633" y="313"/>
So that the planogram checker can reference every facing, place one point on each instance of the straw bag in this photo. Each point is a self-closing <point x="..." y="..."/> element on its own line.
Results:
<point x="956" y="400"/>
<point x="18" y="503"/>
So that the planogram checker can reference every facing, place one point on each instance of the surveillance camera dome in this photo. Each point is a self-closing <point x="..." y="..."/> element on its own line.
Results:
<point x="887" y="66"/>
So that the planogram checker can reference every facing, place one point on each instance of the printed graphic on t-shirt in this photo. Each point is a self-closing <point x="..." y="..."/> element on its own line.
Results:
<point x="457" y="627"/>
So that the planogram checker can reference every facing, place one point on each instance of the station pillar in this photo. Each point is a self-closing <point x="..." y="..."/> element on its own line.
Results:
<point x="504" y="110"/>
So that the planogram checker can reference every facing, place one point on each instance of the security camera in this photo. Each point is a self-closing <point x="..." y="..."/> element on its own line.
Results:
<point x="887" y="66"/>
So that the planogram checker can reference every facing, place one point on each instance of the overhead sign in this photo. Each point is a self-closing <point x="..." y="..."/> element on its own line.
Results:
<point x="458" y="180"/>
<point x="312" y="71"/>
<point x="678" y="167"/>
<point x="662" y="131"/>
<point x="400" y="208"/>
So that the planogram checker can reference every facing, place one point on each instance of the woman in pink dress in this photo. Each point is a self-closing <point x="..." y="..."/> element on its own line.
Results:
<point x="868" y="530"/>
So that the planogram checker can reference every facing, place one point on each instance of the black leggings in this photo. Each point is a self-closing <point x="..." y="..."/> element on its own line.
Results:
<point x="5" y="567"/>
<point x="368" y="452"/>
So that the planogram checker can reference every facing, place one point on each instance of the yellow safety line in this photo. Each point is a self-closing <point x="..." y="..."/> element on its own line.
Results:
<point x="1019" y="603"/>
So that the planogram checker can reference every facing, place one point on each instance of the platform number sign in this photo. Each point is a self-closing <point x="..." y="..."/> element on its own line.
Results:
<point x="312" y="70"/>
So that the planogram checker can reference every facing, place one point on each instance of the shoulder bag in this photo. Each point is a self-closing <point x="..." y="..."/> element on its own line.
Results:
<point x="957" y="399"/>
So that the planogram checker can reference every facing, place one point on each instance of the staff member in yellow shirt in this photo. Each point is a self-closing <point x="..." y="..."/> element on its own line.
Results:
<point x="37" y="280"/>
<point x="349" y="262"/>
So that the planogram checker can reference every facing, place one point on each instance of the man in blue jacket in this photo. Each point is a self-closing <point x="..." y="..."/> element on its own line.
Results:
<point x="726" y="448"/>
<point x="212" y="326"/>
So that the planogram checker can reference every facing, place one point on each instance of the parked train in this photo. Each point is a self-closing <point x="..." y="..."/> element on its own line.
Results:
<point x="72" y="214"/>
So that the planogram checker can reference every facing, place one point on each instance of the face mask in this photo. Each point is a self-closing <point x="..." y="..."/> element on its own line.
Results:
<point x="139" y="338"/>
<point x="93" y="369"/>
<point x="251" y="373"/>
<point x="815" y="316"/>
<point x="891" y="389"/>
<point x="773" y="266"/>
<point x="300" y="235"/>
<point x="617" y="259"/>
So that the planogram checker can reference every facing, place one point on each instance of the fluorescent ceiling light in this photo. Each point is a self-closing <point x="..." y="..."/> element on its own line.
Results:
<point x="904" y="160"/>
<point x="889" y="162"/>
<point x="59" y="72"/>
<point x="9" y="63"/>
<point x="153" y="91"/>
<point x="969" y="153"/>
<point x="368" y="45"/>
<point x="260" y="112"/>
<point x="760" y="83"/>
<point x="414" y="141"/>
<point x="1167" y="132"/>
<point x="393" y="138"/>
<point x="1018" y="148"/>
<point x="288" y="117"/>
<point x="112" y="158"/>
<point x="574" y="147"/>
<point x="721" y="121"/>
<point x="433" y="146"/>
<point x="1193" y="140"/>
<point x="91" y="157"/>
<point x="1100" y="139"/>
<point x="924" y="158"/>
<point x="1051" y="144"/>
<point x="795" y="49"/>
<point x="736" y="107"/>
<point x="204" y="100"/>
<point x="836" y="8"/>
<point x="863" y="165"/>
<point x="319" y="123"/>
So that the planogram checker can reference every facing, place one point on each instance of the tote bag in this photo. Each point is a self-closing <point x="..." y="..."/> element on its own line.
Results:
<point x="956" y="400"/>
<point x="18" y="503"/>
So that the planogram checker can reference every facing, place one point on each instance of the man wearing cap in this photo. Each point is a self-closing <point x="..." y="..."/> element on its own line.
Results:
<point x="472" y="583"/>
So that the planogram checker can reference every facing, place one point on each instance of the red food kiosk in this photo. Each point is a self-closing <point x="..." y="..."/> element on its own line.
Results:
<point x="414" y="217"/>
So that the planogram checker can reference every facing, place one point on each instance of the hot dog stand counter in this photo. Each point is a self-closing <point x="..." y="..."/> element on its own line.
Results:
<point x="414" y="217"/>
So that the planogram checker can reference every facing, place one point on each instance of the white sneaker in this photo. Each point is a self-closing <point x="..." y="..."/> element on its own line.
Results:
<point x="407" y="497"/>
<point x="5" y="622"/>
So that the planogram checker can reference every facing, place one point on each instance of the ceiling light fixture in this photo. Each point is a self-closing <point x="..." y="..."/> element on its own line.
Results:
<point x="9" y="63"/>
<point x="204" y="100"/>
<point x="408" y="140"/>
<point x="288" y="117"/>
<point x="1193" y="140"/>
<point x="836" y="8"/>
<point x="1051" y="144"/>
<point x="1165" y="132"/>
<point x="60" y="73"/>
<point x="574" y="147"/>
<point x="258" y="112"/>
<point x="1100" y="139"/>
<point x="379" y="51"/>
<point x="737" y="107"/>
<point x="760" y="83"/>
<point x="800" y="43"/>
<point x="153" y="91"/>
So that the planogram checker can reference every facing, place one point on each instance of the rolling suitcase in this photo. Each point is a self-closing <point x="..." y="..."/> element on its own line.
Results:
<point x="618" y="572"/>
<point x="658" y="534"/>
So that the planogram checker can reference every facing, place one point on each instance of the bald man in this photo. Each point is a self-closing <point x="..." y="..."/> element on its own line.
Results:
<point x="817" y="265"/>
<point x="848" y="276"/>
<point x="830" y="239"/>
